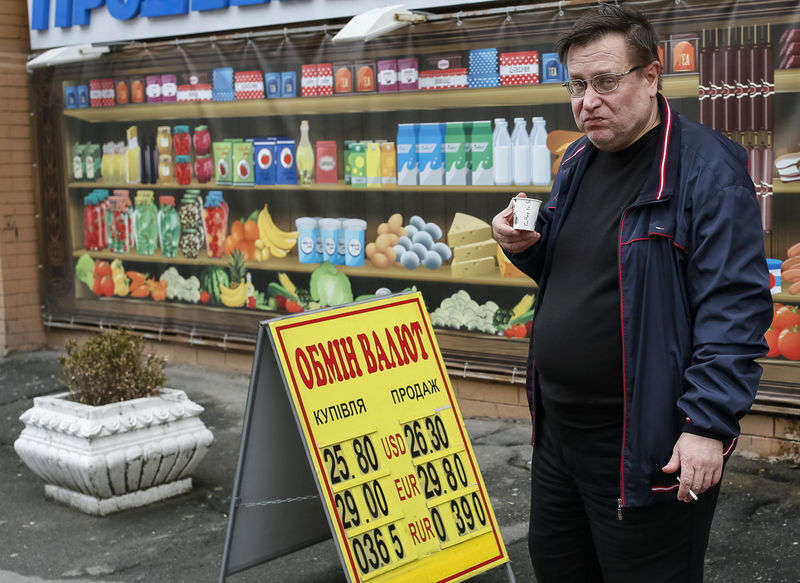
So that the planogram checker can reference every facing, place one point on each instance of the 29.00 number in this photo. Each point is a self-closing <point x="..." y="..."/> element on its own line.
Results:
<point x="374" y="497"/>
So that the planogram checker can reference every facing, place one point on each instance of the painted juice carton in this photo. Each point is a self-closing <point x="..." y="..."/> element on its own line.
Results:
<point x="286" y="170"/>
<point x="223" y="162"/>
<point x="388" y="164"/>
<point x="243" y="164"/>
<point x="373" y="165"/>
<point x="264" y="156"/>
<point x="326" y="170"/>
<point x="407" y="162"/>
<point x="455" y="154"/>
<point x="431" y="154"/>
<point x="479" y="153"/>
<point x="357" y="155"/>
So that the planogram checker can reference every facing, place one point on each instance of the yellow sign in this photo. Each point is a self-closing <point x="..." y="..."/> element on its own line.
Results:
<point x="396" y="469"/>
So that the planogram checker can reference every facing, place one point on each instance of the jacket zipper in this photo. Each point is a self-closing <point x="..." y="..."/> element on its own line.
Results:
<point x="621" y="499"/>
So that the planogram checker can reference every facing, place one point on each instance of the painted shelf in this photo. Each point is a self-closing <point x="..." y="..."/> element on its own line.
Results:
<point x="339" y="186"/>
<point x="674" y="86"/>
<point x="290" y="264"/>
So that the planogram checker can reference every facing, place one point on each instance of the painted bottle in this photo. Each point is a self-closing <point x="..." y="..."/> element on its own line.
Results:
<point x="501" y="148"/>
<point x="305" y="156"/>
<point x="521" y="152"/>
<point x="540" y="155"/>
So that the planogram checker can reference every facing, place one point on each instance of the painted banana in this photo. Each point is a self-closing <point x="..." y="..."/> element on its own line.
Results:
<point x="262" y="252"/>
<point x="278" y="241"/>
<point x="233" y="297"/>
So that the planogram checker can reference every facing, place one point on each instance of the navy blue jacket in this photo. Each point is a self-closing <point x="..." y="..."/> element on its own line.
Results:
<point x="694" y="297"/>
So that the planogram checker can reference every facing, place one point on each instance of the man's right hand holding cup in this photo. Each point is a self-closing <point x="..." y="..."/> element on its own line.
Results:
<point x="510" y="238"/>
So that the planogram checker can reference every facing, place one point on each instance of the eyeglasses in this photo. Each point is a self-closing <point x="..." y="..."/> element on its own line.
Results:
<point x="602" y="83"/>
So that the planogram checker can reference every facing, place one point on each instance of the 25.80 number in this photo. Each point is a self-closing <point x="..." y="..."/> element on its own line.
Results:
<point x="366" y="458"/>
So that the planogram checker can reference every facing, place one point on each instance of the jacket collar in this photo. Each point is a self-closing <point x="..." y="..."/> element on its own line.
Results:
<point x="663" y="176"/>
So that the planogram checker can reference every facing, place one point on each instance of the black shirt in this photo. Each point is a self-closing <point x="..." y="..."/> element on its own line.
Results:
<point x="577" y="334"/>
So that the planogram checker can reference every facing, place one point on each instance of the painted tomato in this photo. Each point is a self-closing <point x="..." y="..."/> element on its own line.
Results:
<point x="775" y="307"/>
<point x="789" y="343"/>
<point x="786" y="317"/>
<point x="107" y="286"/>
<point x="771" y="336"/>
<point x="264" y="158"/>
<point x="101" y="269"/>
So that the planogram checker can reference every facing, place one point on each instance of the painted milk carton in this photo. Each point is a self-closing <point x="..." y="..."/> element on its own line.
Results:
<point x="430" y="152"/>
<point x="407" y="163"/>
<point x="479" y="153"/>
<point x="455" y="154"/>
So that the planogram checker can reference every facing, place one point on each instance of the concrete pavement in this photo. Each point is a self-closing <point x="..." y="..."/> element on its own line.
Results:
<point x="756" y="534"/>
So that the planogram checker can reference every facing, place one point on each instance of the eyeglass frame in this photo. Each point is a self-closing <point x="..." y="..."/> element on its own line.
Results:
<point x="590" y="81"/>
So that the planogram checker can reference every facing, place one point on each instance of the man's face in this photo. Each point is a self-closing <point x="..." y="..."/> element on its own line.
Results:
<point x="615" y="120"/>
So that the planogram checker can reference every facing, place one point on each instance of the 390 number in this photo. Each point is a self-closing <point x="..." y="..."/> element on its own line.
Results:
<point x="468" y="513"/>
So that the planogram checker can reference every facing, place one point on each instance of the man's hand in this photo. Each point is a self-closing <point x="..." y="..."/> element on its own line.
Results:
<point x="699" y="460"/>
<point x="509" y="238"/>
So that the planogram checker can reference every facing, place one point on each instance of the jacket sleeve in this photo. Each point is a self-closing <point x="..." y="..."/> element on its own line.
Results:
<point x="531" y="260"/>
<point x="728" y="292"/>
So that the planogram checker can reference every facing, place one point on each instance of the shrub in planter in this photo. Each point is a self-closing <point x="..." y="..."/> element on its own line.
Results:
<point x="111" y="367"/>
<point x="116" y="439"/>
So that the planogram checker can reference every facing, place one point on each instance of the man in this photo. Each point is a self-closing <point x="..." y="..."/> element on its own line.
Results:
<point x="652" y="304"/>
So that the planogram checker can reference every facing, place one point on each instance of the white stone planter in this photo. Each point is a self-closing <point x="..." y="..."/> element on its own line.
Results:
<point x="114" y="457"/>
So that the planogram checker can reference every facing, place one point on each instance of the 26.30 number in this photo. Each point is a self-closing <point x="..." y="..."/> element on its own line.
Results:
<point x="435" y="434"/>
<point x="371" y="549"/>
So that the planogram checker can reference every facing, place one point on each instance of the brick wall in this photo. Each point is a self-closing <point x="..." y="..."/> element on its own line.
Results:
<point x="765" y="435"/>
<point x="770" y="436"/>
<point x="20" y="317"/>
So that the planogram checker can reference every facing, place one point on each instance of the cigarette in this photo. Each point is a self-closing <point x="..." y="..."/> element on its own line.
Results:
<point x="692" y="494"/>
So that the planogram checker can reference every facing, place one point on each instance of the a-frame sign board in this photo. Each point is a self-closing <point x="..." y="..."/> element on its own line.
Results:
<point x="352" y="428"/>
<point x="274" y="486"/>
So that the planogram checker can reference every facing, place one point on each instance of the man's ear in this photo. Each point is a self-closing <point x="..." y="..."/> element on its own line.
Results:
<point x="651" y="74"/>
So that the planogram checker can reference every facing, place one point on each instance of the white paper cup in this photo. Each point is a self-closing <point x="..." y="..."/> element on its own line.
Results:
<point x="526" y="210"/>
